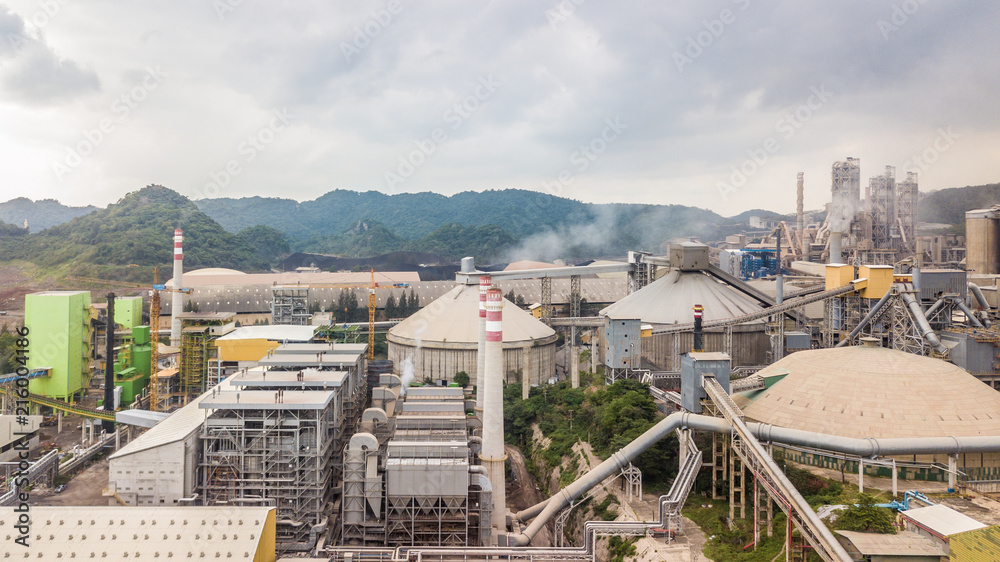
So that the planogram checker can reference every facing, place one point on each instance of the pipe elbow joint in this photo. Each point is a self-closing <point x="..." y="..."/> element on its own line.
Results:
<point x="519" y="539"/>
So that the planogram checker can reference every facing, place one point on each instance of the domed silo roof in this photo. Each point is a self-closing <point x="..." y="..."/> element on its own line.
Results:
<point x="454" y="318"/>
<point x="875" y="392"/>
<point x="669" y="299"/>
<point x="443" y="338"/>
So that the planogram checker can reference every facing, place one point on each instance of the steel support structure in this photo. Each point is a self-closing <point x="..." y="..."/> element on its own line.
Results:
<point x="907" y="194"/>
<point x="546" y="299"/>
<point x="574" y="297"/>
<point x="882" y="209"/>
<point x="290" y="306"/>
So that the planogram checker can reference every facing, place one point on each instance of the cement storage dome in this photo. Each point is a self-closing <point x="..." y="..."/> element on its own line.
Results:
<point x="443" y="338"/>
<point x="669" y="300"/>
<point x="870" y="391"/>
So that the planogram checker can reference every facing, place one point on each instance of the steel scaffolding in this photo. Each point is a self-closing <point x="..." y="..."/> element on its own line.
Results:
<point x="290" y="305"/>
<point x="194" y="360"/>
<point x="907" y="194"/>
<point x="882" y="209"/>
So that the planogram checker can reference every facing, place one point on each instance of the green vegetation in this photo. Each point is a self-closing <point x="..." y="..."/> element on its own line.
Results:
<point x="41" y="214"/>
<point x="461" y="378"/>
<point x="8" y="349"/>
<point x="865" y="517"/>
<point x="620" y="549"/>
<point x="270" y="244"/>
<point x="124" y="240"/>
<point x="949" y="205"/>
<point x="606" y="417"/>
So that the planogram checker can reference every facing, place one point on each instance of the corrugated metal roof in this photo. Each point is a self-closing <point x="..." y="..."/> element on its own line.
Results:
<point x="176" y="427"/>
<point x="88" y="532"/>
<point x="454" y="318"/>
<point x="669" y="300"/>
<point x="215" y="277"/>
<point x="981" y="545"/>
<point x="876" y="392"/>
<point x="942" y="519"/>
<point x="272" y="333"/>
<point x="905" y="543"/>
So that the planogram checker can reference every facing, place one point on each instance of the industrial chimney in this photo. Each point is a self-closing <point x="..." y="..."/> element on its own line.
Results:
<point x="485" y="282"/>
<point x="698" y="336"/>
<point x="836" y="252"/>
<point x="492" y="455"/>
<point x="800" y="222"/>
<point x="177" y="302"/>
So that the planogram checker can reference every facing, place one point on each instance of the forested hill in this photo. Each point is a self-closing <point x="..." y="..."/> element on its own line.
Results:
<point x="948" y="206"/>
<point x="41" y="214"/>
<point x="137" y="231"/>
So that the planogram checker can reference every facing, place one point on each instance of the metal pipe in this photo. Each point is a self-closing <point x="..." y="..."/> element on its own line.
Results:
<point x="934" y="308"/>
<point x="983" y="303"/>
<point x="968" y="313"/>
<point x="862" y="447"/>
<point x="921" y="320"/>
<point x="868" y="318"/>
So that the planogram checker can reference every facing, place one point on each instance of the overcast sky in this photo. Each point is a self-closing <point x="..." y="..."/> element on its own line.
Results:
<point x="713" y="104"/>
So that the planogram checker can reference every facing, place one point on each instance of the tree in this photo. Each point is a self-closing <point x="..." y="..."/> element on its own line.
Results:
<point x="865" y="517"/>
<point x="414" y="301"/>
<point x="403" y="310"/>
<point x="390" y="307"/>
<point x="519" y="301"/>
<point x="461" y="378"/>
<point x="510" y="296"/>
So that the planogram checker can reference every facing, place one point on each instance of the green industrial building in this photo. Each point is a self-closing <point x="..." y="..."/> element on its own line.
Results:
<point x="59" y="332"/>
<point x="133" y="364"/>
<point x="128" y="312"/>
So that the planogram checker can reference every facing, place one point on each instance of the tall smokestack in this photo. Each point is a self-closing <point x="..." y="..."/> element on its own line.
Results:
<point x="698" y="345"/>
<point x="485" y="282"/>
<point x="800" y="219"/>
<point x="177" y="302"/>
<point x="836" y="254"/>
<point x="492" y="455"/>
<point x="109" y="364"/>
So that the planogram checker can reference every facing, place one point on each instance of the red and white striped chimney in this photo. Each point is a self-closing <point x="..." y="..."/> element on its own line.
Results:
<point x="485" y="282"/>
<point x="177" y="302"/>
<point x="492" y="455"/>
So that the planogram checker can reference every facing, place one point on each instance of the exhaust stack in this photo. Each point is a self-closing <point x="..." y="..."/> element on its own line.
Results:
<point x="177" y="300"/>
<point x="800" y="220"/>
<point x="836" y="253"/>
<point x="492" y="455"/>
<point x="698" y="336"/>
<point x="485" y="283"/>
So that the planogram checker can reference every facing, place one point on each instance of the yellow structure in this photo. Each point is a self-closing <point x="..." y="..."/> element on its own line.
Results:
<point x="838" y="275"/>
<point x="244" y="350"/>
<point x="880" y="278"/>
<point x="981" y="544"/>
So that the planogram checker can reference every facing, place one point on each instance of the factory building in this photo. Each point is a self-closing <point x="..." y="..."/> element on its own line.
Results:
<point x="120" y="533"/>
<point x="669" y="299"/>
<point x="409" y="473"/>
<point x="442" y="339"/>
<point x="58" y="323"/>
<point x="870" y="391"/>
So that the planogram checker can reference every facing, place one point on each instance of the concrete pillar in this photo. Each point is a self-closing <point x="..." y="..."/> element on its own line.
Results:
<point x="574" y="365"/>
<point x="593" y="352"/>
<point x="894" y="490"/>
<point x="58" y="421"/>
<point x="83" y="431"/>
<point x="682" y="453"/>
<point x="525" y="373"/>
<point x="861" y="474"/>
<point x="952" y="472"/>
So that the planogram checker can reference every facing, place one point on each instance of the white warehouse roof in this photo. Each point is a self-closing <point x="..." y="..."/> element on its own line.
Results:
<point x="670" y="299"/>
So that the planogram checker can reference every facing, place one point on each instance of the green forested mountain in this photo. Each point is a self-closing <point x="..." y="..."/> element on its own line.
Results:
<point x="949" y="205"/>
<point x="137" y="231"/>
<point x="452" y="241"/>
<point x="41" y="214"/>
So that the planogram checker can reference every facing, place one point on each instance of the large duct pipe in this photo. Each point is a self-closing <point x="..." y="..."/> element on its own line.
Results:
<point x="492" y="455"/>
<point x="836" y="253"/>
<point x="868" y="318"/>
<point x="864" y="447"/>
<point x="177" y="300"/>
<point x="800" y="220"/>
<point x="973" y="319"/>
<point x="922" y="324"/>
<point x="983" y="303"/>
<point x="109" y="364"/>
<point x="485" y="283"/>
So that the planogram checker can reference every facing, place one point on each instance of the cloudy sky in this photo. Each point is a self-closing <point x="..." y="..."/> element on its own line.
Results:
<point x="713" y="104"/>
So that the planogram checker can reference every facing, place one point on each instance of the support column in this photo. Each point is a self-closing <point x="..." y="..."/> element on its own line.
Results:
<point x="952" y="472"/>
<point x="58" y="421"/>
<point x="593" y="352"/>
<point x="574" y="365"/>
<point x="861" y="475"/>
<point x="737" y="486"/>
<point x="719" y="464"/>
<point x="894" y="490"/>
<point x="682" y="453"/>
<point x="526" y="371"/>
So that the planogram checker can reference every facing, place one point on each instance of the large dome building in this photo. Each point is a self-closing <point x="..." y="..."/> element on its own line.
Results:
<point x="669" y="300"/>
<point x="870" y="391"/>
<point x="443" y="338"/>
